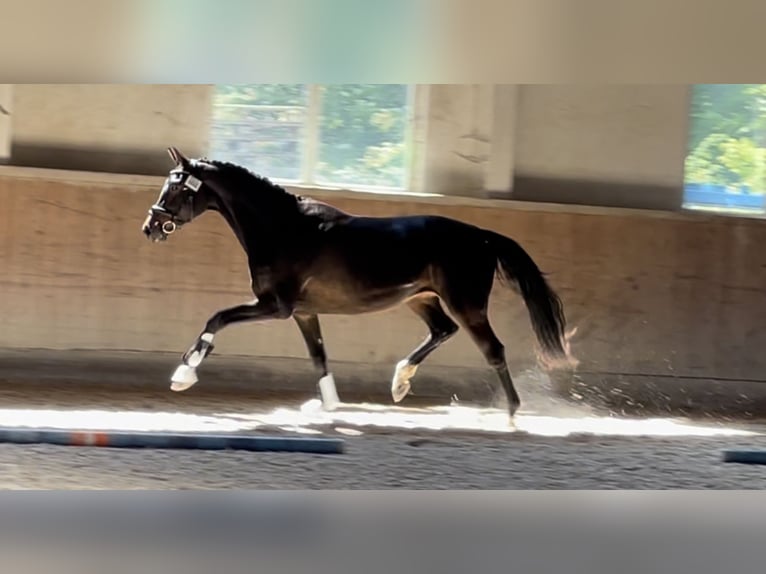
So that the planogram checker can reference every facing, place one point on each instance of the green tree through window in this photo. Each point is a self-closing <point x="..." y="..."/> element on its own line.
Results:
<point x="726" y="161"/>
<point x="361" y="137"/>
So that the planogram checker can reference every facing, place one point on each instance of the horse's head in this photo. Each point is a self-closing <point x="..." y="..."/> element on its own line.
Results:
<point x="182" y="198"/>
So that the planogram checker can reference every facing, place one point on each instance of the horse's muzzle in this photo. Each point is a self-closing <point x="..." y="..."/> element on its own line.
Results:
<point x="157" y="230"/>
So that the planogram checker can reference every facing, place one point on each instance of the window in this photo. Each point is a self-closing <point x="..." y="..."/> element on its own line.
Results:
<point x="726" y="162"/>
<point x="350" y="135"/>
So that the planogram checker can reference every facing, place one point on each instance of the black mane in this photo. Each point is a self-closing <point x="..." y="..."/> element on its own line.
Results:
<point x="241" y="177"/>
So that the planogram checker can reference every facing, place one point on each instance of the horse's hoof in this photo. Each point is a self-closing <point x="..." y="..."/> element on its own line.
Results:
<point x="183" y="378"/>
<point x="400" y="391"/>
<point x="311" y="407"/>
<point x="400" y="386"/>
<point x="512" y="409"/>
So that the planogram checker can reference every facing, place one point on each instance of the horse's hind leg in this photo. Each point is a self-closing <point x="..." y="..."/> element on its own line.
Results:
<point x="475" y="321"/>
<point x="312" y="334"/>
<point x="441" y="328"/>
<point x="465" y="291"/>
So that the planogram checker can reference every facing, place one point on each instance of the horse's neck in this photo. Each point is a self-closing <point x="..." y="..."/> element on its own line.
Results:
<point x="259" y="229"/>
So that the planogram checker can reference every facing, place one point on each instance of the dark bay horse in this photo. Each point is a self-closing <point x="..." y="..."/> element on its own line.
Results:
<point x="308" y="258"/>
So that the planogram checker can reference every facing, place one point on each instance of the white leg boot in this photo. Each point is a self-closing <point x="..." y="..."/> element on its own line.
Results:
<point x="330" y="400"/>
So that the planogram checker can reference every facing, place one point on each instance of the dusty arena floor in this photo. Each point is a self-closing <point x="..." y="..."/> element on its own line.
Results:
<point x="412" y="447"/>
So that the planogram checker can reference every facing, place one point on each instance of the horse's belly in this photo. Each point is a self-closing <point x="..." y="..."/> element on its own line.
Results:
<point x="349" y="299"/>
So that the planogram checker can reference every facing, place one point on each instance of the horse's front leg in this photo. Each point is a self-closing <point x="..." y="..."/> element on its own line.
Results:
<point x="263" y="309"/>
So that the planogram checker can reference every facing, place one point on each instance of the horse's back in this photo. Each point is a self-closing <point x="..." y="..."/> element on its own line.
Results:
<point x="408" y="227"/>
<point x="403" y="247"/>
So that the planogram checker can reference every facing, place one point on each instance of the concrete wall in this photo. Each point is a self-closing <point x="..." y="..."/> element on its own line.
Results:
<point x="107" y="127"/>
<point x="671" y="296"/>
<point x="6" y="94"/>
<point x="621" y="146"/>
<point x="458" y="138"/>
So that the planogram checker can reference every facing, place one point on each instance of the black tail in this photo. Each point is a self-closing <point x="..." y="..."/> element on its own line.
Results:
<point x="545" y="308"/>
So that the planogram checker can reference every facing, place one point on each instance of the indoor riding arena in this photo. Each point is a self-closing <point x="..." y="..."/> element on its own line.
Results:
<point x="643" y="209"/>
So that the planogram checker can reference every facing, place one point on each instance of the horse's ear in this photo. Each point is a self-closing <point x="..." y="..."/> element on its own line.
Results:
<point x="177" y="156"/>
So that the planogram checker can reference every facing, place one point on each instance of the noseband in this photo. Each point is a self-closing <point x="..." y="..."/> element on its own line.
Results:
<point x="190" y="183"/>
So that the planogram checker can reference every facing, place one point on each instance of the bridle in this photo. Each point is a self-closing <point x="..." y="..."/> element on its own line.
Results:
<point x="188" y="182"/>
